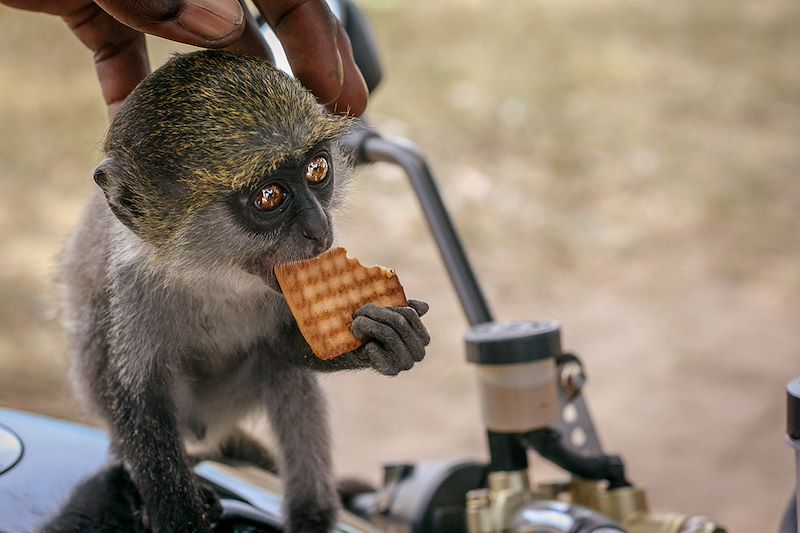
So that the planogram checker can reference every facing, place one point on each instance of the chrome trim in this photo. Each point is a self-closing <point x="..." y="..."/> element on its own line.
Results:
<point x="11" y="449"/>
<point x="264" y="491"/>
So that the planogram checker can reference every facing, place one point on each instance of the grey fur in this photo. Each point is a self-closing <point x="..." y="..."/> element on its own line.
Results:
<point x="175" y="339"/>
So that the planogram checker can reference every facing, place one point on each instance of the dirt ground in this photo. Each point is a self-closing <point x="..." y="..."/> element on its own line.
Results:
<point x="628" y="168"/>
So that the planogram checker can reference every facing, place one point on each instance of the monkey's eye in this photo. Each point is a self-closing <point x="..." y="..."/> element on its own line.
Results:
<point x="317" y="169"/>
<point x="269" y="198"/>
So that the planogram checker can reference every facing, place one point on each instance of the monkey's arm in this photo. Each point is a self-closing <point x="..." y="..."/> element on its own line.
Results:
<point x="145" y="434"/>
<point x="144" y="423"/>
<point x="394" y="337"/>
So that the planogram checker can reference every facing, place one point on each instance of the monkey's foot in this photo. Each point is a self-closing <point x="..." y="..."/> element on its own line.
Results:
<point x="307" y="519"/>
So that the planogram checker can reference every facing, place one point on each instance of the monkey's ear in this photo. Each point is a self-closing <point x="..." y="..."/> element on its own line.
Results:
<point x="118" y="195"/>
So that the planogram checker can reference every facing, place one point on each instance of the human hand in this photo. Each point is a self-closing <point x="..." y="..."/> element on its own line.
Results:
<point x="315" y="43"/>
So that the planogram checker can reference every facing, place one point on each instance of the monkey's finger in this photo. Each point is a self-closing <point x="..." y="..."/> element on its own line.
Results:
<point x="366" y="328"/>
<point x="251" y="42"/>
<point x="120" y="53"/>
<point x="378" y="360"/>
<point x="387" y="352"/>
<point x="309" y="33"/>
<point x="416" y="324"/>
<point x="206" y="23"/>
<point x="419" y="306"/>
<point x="212" y="507"/>
<point x="400" y="325"/>
<point x="354" y="95"/>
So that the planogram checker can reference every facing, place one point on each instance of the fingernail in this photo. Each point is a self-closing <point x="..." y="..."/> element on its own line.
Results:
<point x="339" y="68"/>
<point x="331" y="103"/>
<point x="211" y="19"/>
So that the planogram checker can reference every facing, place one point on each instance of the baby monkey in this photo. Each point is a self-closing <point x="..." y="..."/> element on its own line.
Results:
<point x="218" y="167"/>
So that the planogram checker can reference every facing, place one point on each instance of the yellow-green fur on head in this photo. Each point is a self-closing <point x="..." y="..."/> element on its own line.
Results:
<point x="205" y="124"/>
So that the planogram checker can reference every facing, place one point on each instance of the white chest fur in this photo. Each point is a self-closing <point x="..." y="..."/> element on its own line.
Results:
<point x="231" y="310"/>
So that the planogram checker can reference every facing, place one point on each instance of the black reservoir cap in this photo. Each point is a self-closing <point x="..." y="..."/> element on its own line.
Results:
<point x="506" y="343"/>
<point x="793" y="409"/>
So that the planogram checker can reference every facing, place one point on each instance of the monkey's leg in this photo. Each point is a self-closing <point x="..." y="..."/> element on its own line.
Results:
<point x="297" y="412"/>
<point x="240" y="446"/>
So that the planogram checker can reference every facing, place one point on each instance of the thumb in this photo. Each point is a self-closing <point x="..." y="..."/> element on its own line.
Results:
<point x="206" y="23"/>
<point x="419" y="306"/>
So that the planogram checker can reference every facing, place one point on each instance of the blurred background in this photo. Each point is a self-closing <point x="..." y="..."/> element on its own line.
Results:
<point x="628" y="168"/>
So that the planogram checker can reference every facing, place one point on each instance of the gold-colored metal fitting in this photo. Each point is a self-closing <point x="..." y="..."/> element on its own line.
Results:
<point x="572" y="378"/>
<point x="628" y="506"/>
<point x="514" y="481"/>
<point x="317" y="169"/>
<point x="479" y="512"/>
<point x="670" y="523"/>
<point x="494" y="509"/>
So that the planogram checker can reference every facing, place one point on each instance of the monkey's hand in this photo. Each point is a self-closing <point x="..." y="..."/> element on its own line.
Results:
<point x="394" y="337"/>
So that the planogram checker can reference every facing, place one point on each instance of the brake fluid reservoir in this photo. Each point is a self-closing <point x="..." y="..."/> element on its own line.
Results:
<point x="516" y="373"/>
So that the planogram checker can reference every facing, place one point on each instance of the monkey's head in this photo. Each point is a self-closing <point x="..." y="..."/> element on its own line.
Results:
<point x="220" y="161"/>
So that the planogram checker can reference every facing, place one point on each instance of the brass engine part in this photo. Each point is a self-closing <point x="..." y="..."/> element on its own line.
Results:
<point x="493" y="509"/>
<point x="628" y="506"/>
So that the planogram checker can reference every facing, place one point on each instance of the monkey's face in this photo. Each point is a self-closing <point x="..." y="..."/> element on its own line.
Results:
<point x="224" y="164"/>
<point x="286" y="216"/>
<point x="288" y="213"/>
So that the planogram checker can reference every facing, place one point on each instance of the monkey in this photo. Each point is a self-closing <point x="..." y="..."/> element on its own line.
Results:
<point x="104" y="502"/>
<point x="216" y="168"/>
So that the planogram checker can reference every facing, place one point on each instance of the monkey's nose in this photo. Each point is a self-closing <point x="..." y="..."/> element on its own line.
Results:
<point x="313" y="225"/>
<point x="319" y="241"/>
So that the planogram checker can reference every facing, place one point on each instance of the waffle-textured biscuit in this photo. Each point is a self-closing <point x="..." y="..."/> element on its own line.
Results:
<point x="324" y="292"/>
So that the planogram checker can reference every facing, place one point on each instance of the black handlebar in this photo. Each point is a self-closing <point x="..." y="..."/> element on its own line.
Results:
<point x="370" y="147"/>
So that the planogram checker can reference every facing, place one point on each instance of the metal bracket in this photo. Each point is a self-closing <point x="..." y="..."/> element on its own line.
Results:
<point x="575" y="422"/>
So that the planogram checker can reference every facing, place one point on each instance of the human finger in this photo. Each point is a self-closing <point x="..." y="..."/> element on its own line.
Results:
<point x="53" y="7"/>
<point x="307" y="31"/>
<point x="251" y="42"/>
<point x="353" y="97"/>
<point x="120" y="52"/>
<point x="205" y="23"/>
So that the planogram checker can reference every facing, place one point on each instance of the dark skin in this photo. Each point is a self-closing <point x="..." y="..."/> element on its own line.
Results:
<point x="315" y="43"/>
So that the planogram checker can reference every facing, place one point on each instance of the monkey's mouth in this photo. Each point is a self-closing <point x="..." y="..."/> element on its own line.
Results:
<point x="271" y="280"/>
<point x="264" y="269"/>
<point x="267" y="272"/>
